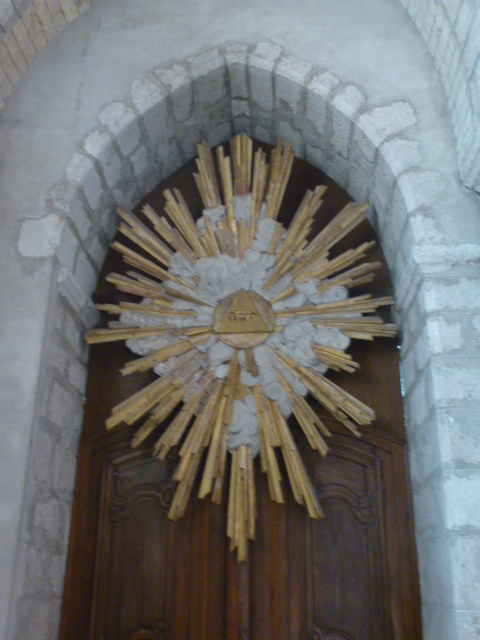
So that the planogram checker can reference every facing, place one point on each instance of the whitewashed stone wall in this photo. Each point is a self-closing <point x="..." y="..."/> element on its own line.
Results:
<point x="451" y="30"/>
<point x="373" y="153"/>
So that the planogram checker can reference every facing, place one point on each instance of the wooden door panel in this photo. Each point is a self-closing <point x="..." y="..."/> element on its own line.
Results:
<point x="346" y="559"/>
<point x="134" y="575"/>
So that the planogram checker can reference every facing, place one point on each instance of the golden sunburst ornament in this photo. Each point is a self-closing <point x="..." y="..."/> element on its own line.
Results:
<point x="241" y="318"/>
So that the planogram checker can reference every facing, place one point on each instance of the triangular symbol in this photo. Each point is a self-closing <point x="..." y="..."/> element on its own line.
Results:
<point x="242" y="315"/>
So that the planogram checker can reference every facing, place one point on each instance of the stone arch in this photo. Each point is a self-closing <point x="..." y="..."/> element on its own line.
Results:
<point x="370" y="150"/>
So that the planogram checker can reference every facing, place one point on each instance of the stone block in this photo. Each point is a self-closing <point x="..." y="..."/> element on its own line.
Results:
<point x="462" y="488"/>
<point x="150" y="100"/>
<point x="126" y="193"/>
<point x="358" y="184"/>
<point x="314" y="155"/>
<point x="96" y="250"/>
<point x="49" y="523"/>
<point x="376" y="125"/>
<point x="39" y="238"/>
<point x="455" y="380"/>
<point x="43" y="446"/>
<point x="444" y="336"/>
<point x="421" y="188"/>
<point x="72" y="291"/>
<point x="121" y="121"/>
<point x="82" y="170"/>
<point x="439" y="622"/>
<point x="141" y="161"/>
<point x="209" y="74"/>
<point x="219" y="134"/>
<point x="262" y="62"/>
<point x="32" y="626"/>
<point x="435" y="570"/>
<point x="459" y="437"/>
<point x="236" y="56"/>
<point x="447" y="295"/>
<point x="188" y="138"/>
<point x="173" y="77"/>
<point x="420" y="400"/>
<point x="168" y="154"/>
<point x="77" y="375"/>
<point x="100" y="145"/>
<point x="338" y="169"/>
<point x="78" y="215"/>
<point x="240" y="108"/>
<point x="60" y="405"/>
<point x="428" y="503"/>
<point x="319" y="91"/>
<point x="467" y="624"/>
<point x="291" y="75"/>
<point x="289" y="134"/>
<point x="465" y="554"/>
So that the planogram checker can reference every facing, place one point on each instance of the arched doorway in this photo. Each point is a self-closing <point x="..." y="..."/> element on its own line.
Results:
<point x="132" y="574"/>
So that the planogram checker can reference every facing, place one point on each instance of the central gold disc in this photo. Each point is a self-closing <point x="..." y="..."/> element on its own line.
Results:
<point x="243" y="319"/>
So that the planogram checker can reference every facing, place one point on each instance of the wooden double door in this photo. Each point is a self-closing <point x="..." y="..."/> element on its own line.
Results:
<point x="134" y="575"/>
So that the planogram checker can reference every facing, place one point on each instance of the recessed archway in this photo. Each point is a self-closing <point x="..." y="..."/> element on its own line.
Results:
<point x="151" y="133"/>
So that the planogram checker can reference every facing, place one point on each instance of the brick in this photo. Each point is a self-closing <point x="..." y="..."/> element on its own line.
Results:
<point x="39" y="237"/>
<point x="7" y="12"/>
<point x="100" y="145"/>
<point x="15" y="53"/>
<point x="23" y="40"/>
<point x="69" y="10"/>
<point x="122" y="122"/>
<point x="56" y="12"/>
<point x="8" y="65"/>
<point x="45" y="19"/>
<point x="34" y="27"/>
<point x="6" y="86"/>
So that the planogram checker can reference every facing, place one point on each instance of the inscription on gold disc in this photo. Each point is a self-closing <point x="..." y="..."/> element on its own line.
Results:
<point x="243" y="319"/>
